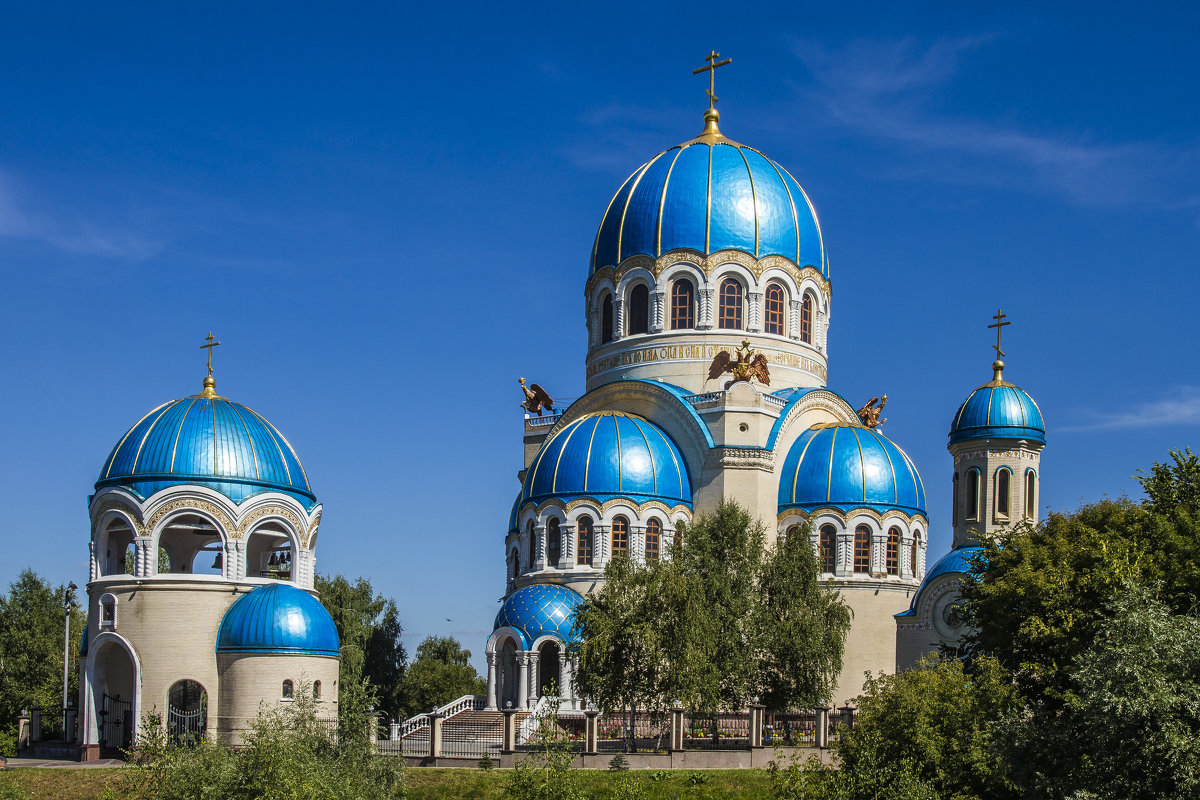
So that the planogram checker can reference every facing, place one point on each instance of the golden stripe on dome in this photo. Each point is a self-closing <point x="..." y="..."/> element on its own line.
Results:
<point x="178" y="433"/>
<point x="214" y="445"/>
<point x="587" y="464"/>
<point x="620" y="466"/>
<point x="542" y="454"/>
<point x="991" y="396"/>
<point x="249" y="438"/>
<point x="142" y="443"/>
<point x="561" y="450"/>
<point x="916" y="474"/>
<point x="791" y="201"/>
<point x="282" y="457"/>
<point x="963" y="407"/>
<point x="629" y="198"/>
<point x="816" y="222"/>
<point x="653" y="466"/>
<point x="862" y="466"/>
<point x="829" y="478"/>
<point x="678" y="469"/>
<point x="753" y="198"/>
<point x="708" y="203"/>
<point x="596" y="244"/>
<point x="113" y="456"/>
<point x="895" y="484"/>
<point x="796" y="474"/>
<point x="662" y="202"/>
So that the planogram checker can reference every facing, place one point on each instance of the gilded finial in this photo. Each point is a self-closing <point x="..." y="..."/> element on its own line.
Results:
<point x="210" y="385"/>
<point x="998" y="364"/>
<point x="711" y="115"/>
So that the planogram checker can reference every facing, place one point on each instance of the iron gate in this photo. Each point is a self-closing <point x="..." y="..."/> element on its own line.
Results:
<point x="116" y="722"/>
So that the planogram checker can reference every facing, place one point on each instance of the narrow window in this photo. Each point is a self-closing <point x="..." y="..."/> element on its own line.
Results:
<point x="731" y="304"/>
<point x="553" y="542"/>
<point x="683" y="315"/>
<point x="108" y="611"/>
<point x="606" y="319"/>
<point x="639" y="309"/>
<point x="828" y="548"/>
<point x="893" y="551"/>
<point x="1030" y="494"/>
<point x="913" y="557"/>
<point x="316" y="690"/>
<point x="653" y="534"/>
<point x="288" y="691"/>
<point x="514" y="565"/>
<point x="773" y="316"/>
<point x="954" y="501"/>
<point x="1003" y="485"/>
<point x="862" y="549"/>
<point x="620" y="537"/>
<point x="972" y="509"/>
<point x="806" y="318"/>
<point x="583" y="552"/>
<point x="530" y="542"/>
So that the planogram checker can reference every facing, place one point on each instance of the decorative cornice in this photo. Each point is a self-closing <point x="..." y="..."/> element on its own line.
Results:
<point x="706" y="265"/>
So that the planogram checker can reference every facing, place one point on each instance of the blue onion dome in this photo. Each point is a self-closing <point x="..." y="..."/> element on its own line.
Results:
<point x="956" y="561"/>
<point x="278" y="619"/>
<point x="710" y="194"/>
<point x="539" y="609"/>
<point x="847" y="466"/>
<point x="206" y="440"/>
<point x="998" y="409"/>
<point x="605" y="455"/>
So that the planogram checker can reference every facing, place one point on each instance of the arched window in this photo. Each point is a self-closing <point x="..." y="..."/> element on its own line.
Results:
<point x="187" y="713"/>
<point x="862" y="549"/>
<point x="954" y="501"/>
<point x="971" y="512"/>
<point x="553" y="542"/>
<point x="639" y="309"/>
<point x="893" y="551"/>
<point x="806" y="308"/>
<point x="514" y="565"/>
<point x="1003" y="489"/>
<point x="108" y="612"/>
<point x="316" y="690"/>
<point x="773" y="310"/>
<point x="731" y="305"/>
<point x="683" y="315"/>
<point x="653" y="535"/>
<point x="288" y="691"/>
<point x="620" y="537"/>
<point x="1030" y="495"/>
<point x="583" y="550"/>
<point x="530" y="542"/>
<point x="828" y="548"/>
<point x="606" y="319"/>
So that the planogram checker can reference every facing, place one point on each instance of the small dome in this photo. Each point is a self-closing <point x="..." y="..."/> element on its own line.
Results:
<point x="998" y="410"/>
<point x="848" y="466"/>
<point x="206" y="440"/>
<point x="609" y="454"/>
<point x="956" y="561"/>
<point x="706" y="195"/>
<point x="540" y="609"/>
<point x="278" y="618"/>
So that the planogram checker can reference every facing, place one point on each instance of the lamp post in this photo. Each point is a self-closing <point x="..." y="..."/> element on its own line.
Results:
<point x="68" y="605"/>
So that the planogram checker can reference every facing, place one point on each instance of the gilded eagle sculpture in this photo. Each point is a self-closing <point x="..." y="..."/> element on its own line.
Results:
<point x="869" y="414"/>
<point x="746" y="366"/>
<point x="536" y="398"/>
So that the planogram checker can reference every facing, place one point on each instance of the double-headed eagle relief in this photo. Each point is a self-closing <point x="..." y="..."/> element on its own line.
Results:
<point x="869" y="414"/>
<point x="748" y="365"/>
<point x="536" y="398"/>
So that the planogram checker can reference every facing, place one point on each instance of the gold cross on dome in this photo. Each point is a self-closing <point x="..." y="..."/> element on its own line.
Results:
<point x="211" y="344"/>
<point x="711" y="69"/>
<point x="999" y="326"/>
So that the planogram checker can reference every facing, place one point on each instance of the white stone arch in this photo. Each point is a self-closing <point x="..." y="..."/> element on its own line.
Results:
<point x="576" y="511"/>
<point x="682" y="269"/>
<point x="863" y="517"/>
<point x="168" y="506"/>
<point x="595" y="309"/>
<point x="900" y="522"/>
<point x="96" y="684"/>
<point x="508" y="676"/>
<point x="920" y="536"/>
<point x="109" y="551"/>
<point x="272" y="523"/>
<point x="749" y="285"/>
<point x="620" y="507"/>
<point x="842" y="558"/>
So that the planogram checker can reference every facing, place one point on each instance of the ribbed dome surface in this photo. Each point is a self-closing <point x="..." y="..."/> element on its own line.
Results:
<point x="609" y="454"/>
<point x="998" y="410"/>
<point x="849" y="466"/>
<point x="540" y="609"/>
<point x="210" y="441"/>
<point x="706" y="195"/>
<point x="957" y="560"/>
<point x="278" y="618"/>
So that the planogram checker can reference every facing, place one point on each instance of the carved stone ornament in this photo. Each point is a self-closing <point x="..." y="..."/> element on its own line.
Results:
<point x="247" y="522"/>
<point x="130" y="513"/>
<point x="192" y="504"/>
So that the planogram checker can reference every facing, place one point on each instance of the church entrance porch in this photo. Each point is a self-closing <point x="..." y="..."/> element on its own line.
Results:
<point x="111" y="684"/>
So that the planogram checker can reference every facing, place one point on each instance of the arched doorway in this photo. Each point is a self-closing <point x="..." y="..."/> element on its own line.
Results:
<point x="507" y="689"/>
<point x="549" y="679"/>
<point x="113" y="682"/>
<point x="187" y="712"/>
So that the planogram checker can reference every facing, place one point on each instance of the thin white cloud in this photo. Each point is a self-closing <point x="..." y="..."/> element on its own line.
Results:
<point x="1181" y="406"/>
<point x="883" y="89"/>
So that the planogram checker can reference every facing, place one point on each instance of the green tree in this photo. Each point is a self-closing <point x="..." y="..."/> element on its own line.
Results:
<point x="800" y="625"/>
<point x="373" y="656"/>
<point x="31" y="650"/>
<point x="440" y="673"/>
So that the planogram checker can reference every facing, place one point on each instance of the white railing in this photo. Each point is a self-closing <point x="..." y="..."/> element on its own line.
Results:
<point x="772" y="400"/>
<point x="468" y="702"/>
<point x="530" y="724"/>
<point x="705" y="398"/>
<point x="542" y="422"/>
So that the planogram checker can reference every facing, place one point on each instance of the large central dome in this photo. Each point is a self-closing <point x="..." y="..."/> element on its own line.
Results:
<point x="706" y="195"/>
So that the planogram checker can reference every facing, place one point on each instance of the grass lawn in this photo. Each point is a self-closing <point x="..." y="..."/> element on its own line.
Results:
<point x="431" y="784"/>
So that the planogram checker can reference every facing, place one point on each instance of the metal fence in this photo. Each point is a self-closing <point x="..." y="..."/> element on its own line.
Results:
<point x="716" y="731"/>
<point x="471" y="738"/>
<point x="790" y="728"/>
<point x="650" y="732"/>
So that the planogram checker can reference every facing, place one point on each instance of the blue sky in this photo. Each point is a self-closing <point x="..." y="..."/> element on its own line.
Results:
<point x="385" y="212"/>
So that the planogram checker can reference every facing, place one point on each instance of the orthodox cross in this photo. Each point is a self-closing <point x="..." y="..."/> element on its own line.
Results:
<point x="211" y="344"/>
<point x="711" y="69"/>
<point x="999" y="326"/>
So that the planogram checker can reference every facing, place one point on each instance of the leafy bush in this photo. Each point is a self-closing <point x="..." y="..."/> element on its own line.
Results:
<point x="545" y="772"/>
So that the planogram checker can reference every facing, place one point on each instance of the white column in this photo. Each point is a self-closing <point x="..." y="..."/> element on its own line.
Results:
<point x="522" y="680"/>
<point x="569" y="546"/>
<point x="565" y="692"/>
<point x="93" y="564"/>
<point x="845" y="553"/>
<point x="879" y="552"/>
<point x="706" y="309"/>
<point x="618" y="318"/>
<point x="539" y="553"/>
<point x="754" y="318"/>
<point x="491" y="682"/>
<point x="907" y="568"/>
<point x="637" y="543"/>
<point x="144" y="565"/>
<point x="794" y="320"/>
<point x="657" y="321"/>
<point x="920" y="560"/>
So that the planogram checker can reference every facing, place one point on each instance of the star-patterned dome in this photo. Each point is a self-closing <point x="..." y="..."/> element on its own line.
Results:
<point x="540" y="609"/>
